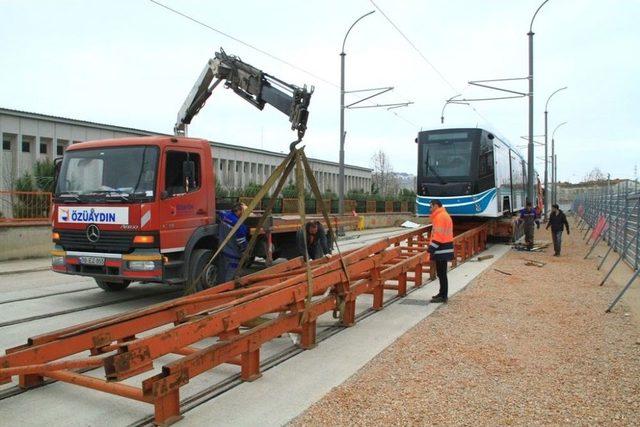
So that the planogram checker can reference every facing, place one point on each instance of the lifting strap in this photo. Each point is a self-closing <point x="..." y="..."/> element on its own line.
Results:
<point x="298" y="159"/>
<point x="303" y="222"/>
<point x="339" y="291"/>
<point x="191" y="287"/>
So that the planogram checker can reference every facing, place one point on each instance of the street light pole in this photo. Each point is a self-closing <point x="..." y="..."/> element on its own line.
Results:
<point x="546" y="156"/>
<point x="342" y="131"/>
<point x="554" y="167"/>
<point x="530" y="158"/>
<point x="554" y="171"/>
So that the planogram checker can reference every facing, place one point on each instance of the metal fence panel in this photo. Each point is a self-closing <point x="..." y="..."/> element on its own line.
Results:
<point x="619" y="204"/>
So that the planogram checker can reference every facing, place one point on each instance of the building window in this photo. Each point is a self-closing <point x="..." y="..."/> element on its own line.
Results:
<point x="43" y="148"/>
<point x="26" y="147"/>
<point x="60" y="150"/>
<point x="6" y="145"/>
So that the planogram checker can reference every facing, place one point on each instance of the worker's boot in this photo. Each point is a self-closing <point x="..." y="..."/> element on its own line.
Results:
<point x="438" y="299"/>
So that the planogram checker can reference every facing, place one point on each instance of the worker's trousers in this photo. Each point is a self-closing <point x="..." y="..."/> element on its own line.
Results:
<point x="557" y="241"/>
<point x="528" y="233"/>
<point x="441" y="271"/>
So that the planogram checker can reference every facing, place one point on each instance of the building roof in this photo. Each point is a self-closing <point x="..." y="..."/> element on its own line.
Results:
<point x="142" y="132"/>
<point x="58" y="119"/>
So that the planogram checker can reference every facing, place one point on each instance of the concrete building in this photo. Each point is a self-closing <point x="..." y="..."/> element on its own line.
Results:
<point x="29" y="137"/>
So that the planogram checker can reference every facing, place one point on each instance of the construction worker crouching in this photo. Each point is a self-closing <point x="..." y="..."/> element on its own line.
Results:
<point x="232" y="252"/>
<point x="441" y="247"/>
<point x="317" y="243"/>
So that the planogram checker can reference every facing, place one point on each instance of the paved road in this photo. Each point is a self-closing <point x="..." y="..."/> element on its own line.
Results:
<point x="41" y="301"/>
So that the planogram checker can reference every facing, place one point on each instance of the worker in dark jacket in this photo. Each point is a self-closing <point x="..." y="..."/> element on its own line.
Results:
<point x="528" y="216"/>
<point x="232" y="252"/>
<point x="317" y="245"/>
<point x="557" y="222"/>
<point x="441" y="247"/>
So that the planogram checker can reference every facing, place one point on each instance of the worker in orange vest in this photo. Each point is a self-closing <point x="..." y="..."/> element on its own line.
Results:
<point x="441" y="247"/>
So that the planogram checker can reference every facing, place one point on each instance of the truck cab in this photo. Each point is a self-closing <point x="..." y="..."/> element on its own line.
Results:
<point x="135" y="209"/>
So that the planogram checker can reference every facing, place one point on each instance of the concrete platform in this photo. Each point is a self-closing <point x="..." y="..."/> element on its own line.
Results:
<point x="286" y="390"/>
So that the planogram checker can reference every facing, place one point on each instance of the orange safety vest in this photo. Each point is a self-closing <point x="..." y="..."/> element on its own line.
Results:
<point x="442" y="226"/>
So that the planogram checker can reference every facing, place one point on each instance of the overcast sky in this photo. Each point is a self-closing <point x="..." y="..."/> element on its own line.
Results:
<point x="132" y="63"/>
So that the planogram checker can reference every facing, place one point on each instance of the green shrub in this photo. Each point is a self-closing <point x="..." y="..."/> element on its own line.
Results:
<point x="29" y="205"/>
<point x="329" y="194"/>
<point x="221" y="191"/>
<point x="356" y="195"/>
<point x="43" y="174"/>
<point x="251" y="189"/>
<point x="407" y="195"/>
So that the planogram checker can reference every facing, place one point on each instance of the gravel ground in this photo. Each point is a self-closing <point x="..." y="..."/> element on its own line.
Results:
<point x="532" y="348"/>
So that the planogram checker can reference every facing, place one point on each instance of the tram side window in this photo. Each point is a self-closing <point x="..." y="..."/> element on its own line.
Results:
<point x="486" y="158"/>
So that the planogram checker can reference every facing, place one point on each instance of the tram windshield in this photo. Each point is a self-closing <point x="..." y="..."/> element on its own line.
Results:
<point x="447" y="155"/>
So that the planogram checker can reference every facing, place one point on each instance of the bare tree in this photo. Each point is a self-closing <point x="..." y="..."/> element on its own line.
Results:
<point x="594" y="176"/>
<point x="384" y="180"/>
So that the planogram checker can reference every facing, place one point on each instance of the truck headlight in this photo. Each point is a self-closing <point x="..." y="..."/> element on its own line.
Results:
<point x="57" y="260"/>
<point x="142" y="265"/>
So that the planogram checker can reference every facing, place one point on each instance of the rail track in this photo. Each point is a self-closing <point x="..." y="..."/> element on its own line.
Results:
<point x="52" y="294"/>
<point x="297" y="296"/>
<point x="82" y="308"/>
<point x="203" y="396"/>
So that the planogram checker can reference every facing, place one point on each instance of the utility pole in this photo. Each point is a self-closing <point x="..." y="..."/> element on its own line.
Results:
<point x="554" y="170"/>
<point x="342" y="132"/>
<point x="546" y="161"/>
<point x="530" y="155"/>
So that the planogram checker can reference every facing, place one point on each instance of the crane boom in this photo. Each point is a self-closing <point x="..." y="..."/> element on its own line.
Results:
<point x="251" y="84"/>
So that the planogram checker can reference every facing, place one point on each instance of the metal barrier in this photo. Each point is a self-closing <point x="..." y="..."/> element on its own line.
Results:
<point x="612" y="214"/>
<point x="32" y="206"/>
<point x="127" y="344"/>
<point x="618" y="205"/>
<point x="290" y="205"/>
<point x="24" y="206"/>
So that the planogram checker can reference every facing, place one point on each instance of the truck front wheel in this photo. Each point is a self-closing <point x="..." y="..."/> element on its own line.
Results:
<point x="113" y="286"/>
<point x="206" y="275"/>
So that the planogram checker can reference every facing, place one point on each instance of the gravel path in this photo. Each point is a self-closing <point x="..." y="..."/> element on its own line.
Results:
<point x="532" y="348"/>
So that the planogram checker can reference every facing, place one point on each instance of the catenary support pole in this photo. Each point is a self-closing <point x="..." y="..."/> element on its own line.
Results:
<point x="342" y="108"/>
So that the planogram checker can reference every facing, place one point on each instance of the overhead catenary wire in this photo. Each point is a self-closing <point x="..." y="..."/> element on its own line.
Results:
<point x="426" y="60"/>
<point x="249" y="45"/>
<point x="262" y="51"/>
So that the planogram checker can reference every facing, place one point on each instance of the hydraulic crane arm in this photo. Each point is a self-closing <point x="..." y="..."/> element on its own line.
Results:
<point x="251" y="84"/>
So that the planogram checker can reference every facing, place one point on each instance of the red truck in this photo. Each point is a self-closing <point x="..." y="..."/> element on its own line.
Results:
<point x="143" y="208"/>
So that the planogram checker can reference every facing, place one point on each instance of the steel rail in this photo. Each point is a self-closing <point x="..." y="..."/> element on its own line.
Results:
<point x="220" y="313"/>
<point x="53" y="294"/>
<point x="83" y="308"/>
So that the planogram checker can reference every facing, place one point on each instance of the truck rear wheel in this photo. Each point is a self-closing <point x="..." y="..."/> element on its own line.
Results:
<point x="113" y="286"/>
<point x="206" y="275"/>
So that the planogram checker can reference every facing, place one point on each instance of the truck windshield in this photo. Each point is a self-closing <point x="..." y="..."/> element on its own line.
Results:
<point x="118" y="173"/>
<point x="447" y="159"/>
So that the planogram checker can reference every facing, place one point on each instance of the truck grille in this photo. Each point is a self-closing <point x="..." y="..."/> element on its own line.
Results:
<point x="110" y="241"/>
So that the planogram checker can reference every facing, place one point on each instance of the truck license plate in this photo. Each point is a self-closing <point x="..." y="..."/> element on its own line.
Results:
<point x="92" y="260"/>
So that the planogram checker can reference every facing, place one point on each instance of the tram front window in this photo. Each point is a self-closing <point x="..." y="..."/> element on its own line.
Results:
<point x="445" y="159"/>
